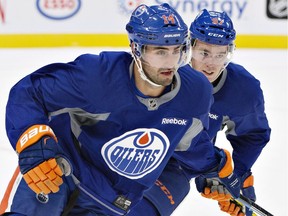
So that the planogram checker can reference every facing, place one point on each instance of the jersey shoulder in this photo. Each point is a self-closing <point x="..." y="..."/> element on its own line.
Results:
<point x="106" y="75"/>
<point x="193" y="79"/>
<point x="242" y="75"/>
<point x="196" y="89"/>
<point x="107" y="67"/>
<point x="241" y="88"/>
<point x="104" y="60"/>
<point x="240" y="78"/>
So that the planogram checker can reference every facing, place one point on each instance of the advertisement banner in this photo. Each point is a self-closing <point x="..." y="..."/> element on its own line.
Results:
<point x="107" y="19"/>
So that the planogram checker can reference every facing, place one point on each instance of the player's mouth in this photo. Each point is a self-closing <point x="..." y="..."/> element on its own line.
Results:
<point x="167" y="73"/>
<point x="210" y="73"/>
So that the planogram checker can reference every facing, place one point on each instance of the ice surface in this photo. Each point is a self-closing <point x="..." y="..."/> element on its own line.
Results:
<point x="270" y="170"/>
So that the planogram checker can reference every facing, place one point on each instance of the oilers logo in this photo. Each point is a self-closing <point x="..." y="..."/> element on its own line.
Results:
<point x="136" y="153"/>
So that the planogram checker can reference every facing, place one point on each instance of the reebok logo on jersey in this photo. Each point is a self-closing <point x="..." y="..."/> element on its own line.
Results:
<point x="174" y="121"/>
<point x="136" y="153"/>
<point x="213" y="116"/>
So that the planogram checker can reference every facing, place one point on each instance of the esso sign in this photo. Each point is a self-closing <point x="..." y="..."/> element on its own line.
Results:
<point x="58" y="9"/>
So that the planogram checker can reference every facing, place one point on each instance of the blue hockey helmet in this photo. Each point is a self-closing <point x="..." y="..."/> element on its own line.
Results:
<point x="213" y="27"/>
<point x="158" y="25"/>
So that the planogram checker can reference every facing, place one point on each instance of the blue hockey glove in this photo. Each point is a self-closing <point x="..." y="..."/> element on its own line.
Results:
<point x="220" y="185"/>
<point x="248" y="190"/>
<point x="235" y="208"/>
<point x="37" y="148"/>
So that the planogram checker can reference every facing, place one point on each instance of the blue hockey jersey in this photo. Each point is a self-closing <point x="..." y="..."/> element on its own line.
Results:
<point x="239" y="105"/>
<point x="117" y="141"/>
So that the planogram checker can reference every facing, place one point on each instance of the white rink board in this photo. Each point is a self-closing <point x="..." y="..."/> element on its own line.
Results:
<point x="111" y="16"/>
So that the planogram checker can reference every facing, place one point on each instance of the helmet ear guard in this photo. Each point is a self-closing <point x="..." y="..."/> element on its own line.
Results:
<point x="231" y="49"/>
<point x="186" y="52"/>
<point x="136" y="49"/>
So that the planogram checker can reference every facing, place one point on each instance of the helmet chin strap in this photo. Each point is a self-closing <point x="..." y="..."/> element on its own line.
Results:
<point x="142" y="74"/>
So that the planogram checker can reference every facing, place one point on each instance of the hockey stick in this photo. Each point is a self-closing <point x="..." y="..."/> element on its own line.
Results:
<point x="253" y="206"/>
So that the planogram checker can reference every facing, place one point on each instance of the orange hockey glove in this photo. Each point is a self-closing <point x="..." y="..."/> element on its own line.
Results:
<point x="231" y="207"/>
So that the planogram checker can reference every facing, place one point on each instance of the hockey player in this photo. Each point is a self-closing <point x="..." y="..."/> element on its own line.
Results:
<point x="238" y="101"/>
<point x="93" y="134"/>
<point x="238" y="106"/>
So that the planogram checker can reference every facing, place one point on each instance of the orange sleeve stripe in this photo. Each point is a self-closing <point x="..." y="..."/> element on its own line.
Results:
<point x="248" y="181"/>
<point x="227" y="169"/>
<point x="5" y="200"/>
<point x="32" y="135"/>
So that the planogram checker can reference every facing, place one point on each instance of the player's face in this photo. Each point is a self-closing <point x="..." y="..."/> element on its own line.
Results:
<point x="209" y="59"/>
<point x="160" y="63"/>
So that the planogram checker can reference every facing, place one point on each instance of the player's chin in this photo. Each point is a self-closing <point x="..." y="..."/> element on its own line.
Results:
<point x="166" y="81"/>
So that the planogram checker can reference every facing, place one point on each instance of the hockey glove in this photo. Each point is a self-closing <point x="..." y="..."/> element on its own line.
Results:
<point x="248" y="189"/>
<point x="214" y="189"/>
<point x="232" y="207"/>
<point x="235" y="208"/>
<point x="210" y="185"/>
<point x="37" y="148"/>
